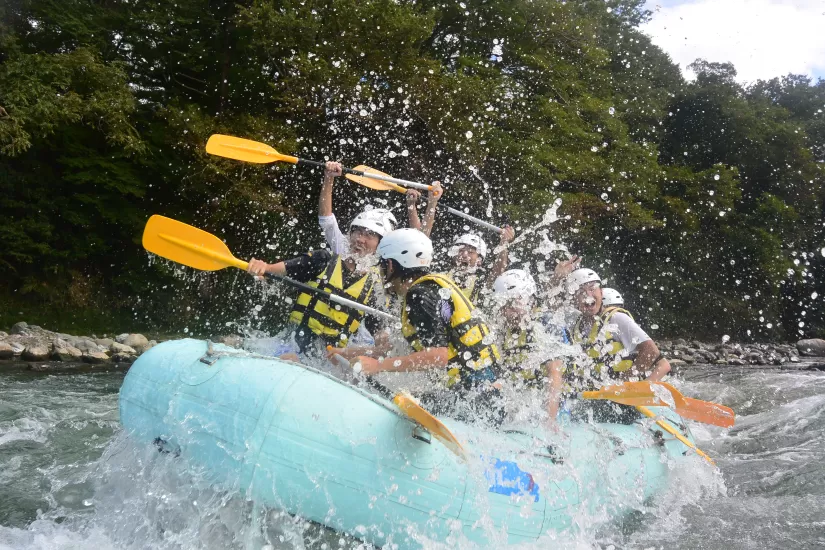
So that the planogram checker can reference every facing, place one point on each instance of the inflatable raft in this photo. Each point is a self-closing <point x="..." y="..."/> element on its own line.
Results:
<point x="297" y="439"/>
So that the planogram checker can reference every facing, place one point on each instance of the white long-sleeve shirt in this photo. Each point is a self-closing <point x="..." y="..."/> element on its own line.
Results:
<point x="337" y="241"/>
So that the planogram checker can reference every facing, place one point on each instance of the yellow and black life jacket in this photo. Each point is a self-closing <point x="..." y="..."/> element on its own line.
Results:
<point x="335" y="323"/>
<point x="466" y="334"/>
<point x="601" y="345"/>
<point x="470" y="284"/>
<point x="515" y="350"/>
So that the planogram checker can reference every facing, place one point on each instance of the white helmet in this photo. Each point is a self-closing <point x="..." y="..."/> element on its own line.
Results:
<point x="470" y="239"/>
<point x="611" y="297"/>
<point x="580" y="277"/>
<point x="515" y="283"/>
<point x="377" y="220"/>
<point x="409" y="247"/>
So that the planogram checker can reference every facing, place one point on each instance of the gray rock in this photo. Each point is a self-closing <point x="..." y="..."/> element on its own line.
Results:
<point x="2" y="334"/>
<point x="147" y="347"/>
<point x="19" y="328"/>
<point x="63" y="351"/>
<point x="120" y="338"/>
<point x="105" y="342"/>
<point x="815" y="347"/>
<point x="136" y="341"/>
<point x="794" y="359"/>
<point x="114" y="347"/>
<point x="687" y="358"/>
<point x="736" y="361"/>
<point x="676" y="362"/>
<point x="86" y="345"/>
<point x="95" y="357"/>
<point x="680" y="342"/>
<point x="5" y="351"/>
<point x="17" y="347"/>
<point x="697" y="344"/>
<point x="37" y="352"/>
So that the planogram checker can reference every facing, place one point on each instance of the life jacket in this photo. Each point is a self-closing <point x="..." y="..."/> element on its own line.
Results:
<point x="601" y="346"/>
<point x="333" y="322"/>
<point x="470" y="286"/>
<point x="515" y="350"/>
<point x="466" y="335"/>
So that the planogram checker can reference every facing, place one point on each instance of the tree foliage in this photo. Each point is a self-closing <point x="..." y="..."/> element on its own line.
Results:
<point x="702" y="201"/>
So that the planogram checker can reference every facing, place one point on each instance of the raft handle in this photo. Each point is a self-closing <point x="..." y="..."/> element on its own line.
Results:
<point x="209" y="359"/>
<point x="422" y="434"/>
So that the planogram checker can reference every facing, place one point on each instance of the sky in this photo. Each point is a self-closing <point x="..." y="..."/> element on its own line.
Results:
<point x="762" y="38"/>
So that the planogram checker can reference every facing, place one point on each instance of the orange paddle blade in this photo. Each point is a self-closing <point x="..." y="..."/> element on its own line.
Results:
<point x="187" y="245"/>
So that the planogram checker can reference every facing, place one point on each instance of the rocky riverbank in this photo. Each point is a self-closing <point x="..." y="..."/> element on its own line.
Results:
<point x="38" y="347"/>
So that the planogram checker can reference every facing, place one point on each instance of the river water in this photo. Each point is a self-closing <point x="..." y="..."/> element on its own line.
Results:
<point x="69" y="477"/>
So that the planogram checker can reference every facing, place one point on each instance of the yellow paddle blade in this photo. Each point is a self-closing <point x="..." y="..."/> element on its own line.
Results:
<point x="417" y="413"/>
<point x="378" y="185"/>
<point x="674" y="432"/>
<point x="245" y="149"/>
<point x="187" y="245"/>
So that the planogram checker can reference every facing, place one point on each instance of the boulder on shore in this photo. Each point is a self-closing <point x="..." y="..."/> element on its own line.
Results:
<point x="63" y="351"/>
<point x="6" y="352"/>
<point x="19" y="328"/>
<point x="114" y="347"/>
<point x="815" y="347"/>
<point x="95" y="357"/>
<point x="136" y="341"/>
<point x="36" y="352"/>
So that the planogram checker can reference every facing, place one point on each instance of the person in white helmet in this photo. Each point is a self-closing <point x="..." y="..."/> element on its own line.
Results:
<point x="616" y="347"/>
<point x="611" y="298"/>
<point x="514" y="301"/>
<point x="439" y="323"/>
<point x="365" y="230"/>
<point x="469" y="272"/>
<point x="315" y="322"/>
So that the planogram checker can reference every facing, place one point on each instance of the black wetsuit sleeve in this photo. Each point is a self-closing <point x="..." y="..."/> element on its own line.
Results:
<point x="307" y="266"/>
<point x="427" y="311"/>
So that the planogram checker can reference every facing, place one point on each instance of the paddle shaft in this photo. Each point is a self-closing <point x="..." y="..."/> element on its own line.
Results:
<point x="333" y="297"/>
<point x="475" y="220"/>
<point x="674" y="432"/>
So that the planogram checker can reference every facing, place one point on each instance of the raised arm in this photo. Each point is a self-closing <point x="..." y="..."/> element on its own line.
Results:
<point x="503" y="256"/>
<point x="432" y="202"/>
<point x="412" y="208"/>
<point x="331" y="171"/>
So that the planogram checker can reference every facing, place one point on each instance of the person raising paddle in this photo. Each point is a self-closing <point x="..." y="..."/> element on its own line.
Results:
<point x="336" y="240"/>
<point x="315" y="322"/>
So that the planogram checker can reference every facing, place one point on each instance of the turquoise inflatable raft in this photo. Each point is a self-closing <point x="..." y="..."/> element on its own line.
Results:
<point x="299" y="440"/>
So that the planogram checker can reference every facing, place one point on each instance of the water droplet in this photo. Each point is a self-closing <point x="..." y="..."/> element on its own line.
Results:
<point x="87" y="502"/>
<point x="445" y="293"/>
<point x="725" y="339"/>
<point x="654" y="327"/>
<point x="612" y="111"/>
<point x="469" y="134"/>
<point x="814" y="295"/>
<point x="594" y="149"/>
<point x="716" y="177"/>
